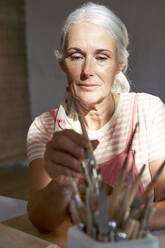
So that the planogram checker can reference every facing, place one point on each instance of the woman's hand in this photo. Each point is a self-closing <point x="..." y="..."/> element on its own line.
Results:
<point x="64" y="153"/>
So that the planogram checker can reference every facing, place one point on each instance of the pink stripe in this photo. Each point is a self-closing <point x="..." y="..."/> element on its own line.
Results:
<point x="110" y="136"/>
<point x="34" y="147"/>
<point x="33" y="153"/>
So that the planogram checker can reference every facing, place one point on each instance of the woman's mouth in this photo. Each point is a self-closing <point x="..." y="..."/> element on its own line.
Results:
<point x="87" y="86"/>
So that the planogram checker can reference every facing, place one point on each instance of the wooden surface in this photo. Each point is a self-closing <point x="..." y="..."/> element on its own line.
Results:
<point x="14" y="182"/>
<point x="11" y="237"/>
<point x="22" y="223"/>
<point x="60" y="237"/>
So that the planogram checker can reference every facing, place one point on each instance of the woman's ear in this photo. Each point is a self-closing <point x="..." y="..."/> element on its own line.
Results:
<point x="121" y="66"/>
<point x="62" y="65"/>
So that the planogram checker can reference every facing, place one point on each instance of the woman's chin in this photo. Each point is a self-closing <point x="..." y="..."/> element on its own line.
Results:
<point x="89" y="101"/>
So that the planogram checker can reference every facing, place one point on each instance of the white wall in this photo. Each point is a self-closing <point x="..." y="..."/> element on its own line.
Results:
<point x="145" y="22"/>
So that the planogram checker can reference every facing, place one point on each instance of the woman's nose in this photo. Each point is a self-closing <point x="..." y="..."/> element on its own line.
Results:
<point x="87" y="68"/>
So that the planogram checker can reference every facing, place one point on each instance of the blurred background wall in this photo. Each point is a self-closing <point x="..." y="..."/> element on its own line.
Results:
<point x="145" y="22"/>
<point x="14" y="94"/>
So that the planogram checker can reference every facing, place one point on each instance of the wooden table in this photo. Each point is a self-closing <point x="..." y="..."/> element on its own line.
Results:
<point x="22" y="223"/>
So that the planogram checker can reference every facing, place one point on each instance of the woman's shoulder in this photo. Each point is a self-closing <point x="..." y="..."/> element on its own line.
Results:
<point x="44" y="121"/>
<point x="148" y="97"/>
<point x="144" y="99"/>
<point x="46" y="117"/>
<point x="150" y="102"/>
<point x="148" y="106"/>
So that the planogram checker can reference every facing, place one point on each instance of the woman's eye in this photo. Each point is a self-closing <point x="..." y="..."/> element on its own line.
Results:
<point x="101" y="58"/>
<point x="75" y="57"/>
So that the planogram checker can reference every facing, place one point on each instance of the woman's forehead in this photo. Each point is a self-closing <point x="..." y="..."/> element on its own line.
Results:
<point x="86" y="34"/>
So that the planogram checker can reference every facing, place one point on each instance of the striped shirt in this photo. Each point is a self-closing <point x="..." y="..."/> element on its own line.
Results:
<point x="149" y="140"/>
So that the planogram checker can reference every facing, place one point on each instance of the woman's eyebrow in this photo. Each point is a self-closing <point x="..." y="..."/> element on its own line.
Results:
<point x="104" y="50"/>
<point x="74" y="48"/>
<point x="97" y="50"/>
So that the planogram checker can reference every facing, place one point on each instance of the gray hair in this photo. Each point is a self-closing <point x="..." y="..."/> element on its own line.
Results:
<point x="102" y="16"/>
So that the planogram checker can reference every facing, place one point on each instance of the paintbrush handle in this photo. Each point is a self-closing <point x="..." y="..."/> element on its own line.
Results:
<point x="134" y="189"/>
<point x="84" y="131"/>
<point x="152" y="183"/>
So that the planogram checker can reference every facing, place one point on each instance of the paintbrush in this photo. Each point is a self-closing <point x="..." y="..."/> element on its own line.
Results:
<point x="134" y="209"/>
<point x="130" y="227"/>
<point x="125" y="193"/>
<point x="122" y="174"/>
<point x="144" y="215"/>
<point x="120" y="180"/>
<point x="73" y="208"/>
<point x="116" y="193"/>
<point x="77" y="201"/>
<point x="132" y="192"/>
<point x="91" y="158"/>
<point x="94" y="170"/>
<point x="84" y="131"/>
<point x="87" y="175"/>
<point x="150" y="186"/>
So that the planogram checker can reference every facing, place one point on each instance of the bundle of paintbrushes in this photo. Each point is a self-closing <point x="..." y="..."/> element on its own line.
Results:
<point x="107" y="214"/>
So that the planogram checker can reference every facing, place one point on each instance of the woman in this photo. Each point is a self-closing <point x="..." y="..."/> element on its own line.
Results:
<point x="93" y="55"/>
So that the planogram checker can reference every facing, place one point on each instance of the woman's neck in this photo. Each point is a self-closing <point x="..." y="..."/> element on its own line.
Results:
<point x="97" y="116"/>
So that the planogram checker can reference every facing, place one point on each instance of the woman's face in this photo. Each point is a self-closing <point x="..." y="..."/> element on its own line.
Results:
<point x="90" y="62"/>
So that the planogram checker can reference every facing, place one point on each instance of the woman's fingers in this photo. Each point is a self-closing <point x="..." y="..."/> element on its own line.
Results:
<point x="56" y="170"/>
<point x="64" y="153"/>
<point x="67" y="161"/>
<point x="71" y="142"/>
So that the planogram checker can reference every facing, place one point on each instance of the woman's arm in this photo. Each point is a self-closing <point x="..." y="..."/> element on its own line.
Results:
<point x="48" y="205"/>
<point x="157" y="220"/>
